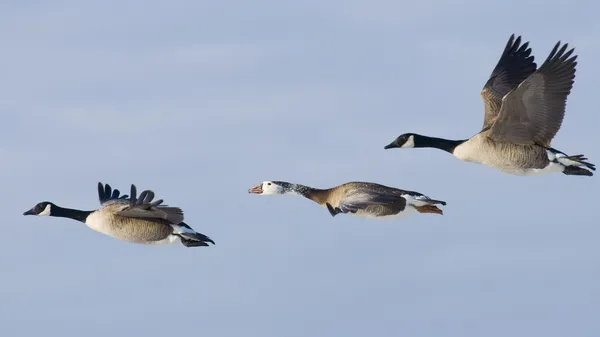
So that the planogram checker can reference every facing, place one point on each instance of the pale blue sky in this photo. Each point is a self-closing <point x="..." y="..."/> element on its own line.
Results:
<point x="200" y="100"/>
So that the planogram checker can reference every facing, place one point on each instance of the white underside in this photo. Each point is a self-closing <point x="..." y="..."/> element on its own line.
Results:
<point x="551" y="168"/>
<point x="171" y="239"/>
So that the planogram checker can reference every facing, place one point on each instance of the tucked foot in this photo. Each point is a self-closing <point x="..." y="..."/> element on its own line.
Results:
<point x="429" y="209"/>
<point x="577" y="171"/>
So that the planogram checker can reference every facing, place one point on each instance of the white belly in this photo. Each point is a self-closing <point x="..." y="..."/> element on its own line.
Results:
<point x="531" y="172"/>
<point x="169" y="240"/>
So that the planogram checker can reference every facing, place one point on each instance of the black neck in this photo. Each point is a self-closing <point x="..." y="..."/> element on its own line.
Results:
<point x="74" y="214"/>
<point x="447" y="145"/>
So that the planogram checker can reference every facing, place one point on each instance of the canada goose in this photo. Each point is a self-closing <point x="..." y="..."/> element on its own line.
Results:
<point x="524" y="109"/>
<point x="138" y="220"/>
<point x="357" y="198"/>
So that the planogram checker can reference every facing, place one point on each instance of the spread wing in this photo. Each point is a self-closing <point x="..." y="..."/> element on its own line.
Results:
<point x="514" y="66"/>
<point x="108" y="196"/>
<point x="143" y="207"/>
<point x="533" y="112"/>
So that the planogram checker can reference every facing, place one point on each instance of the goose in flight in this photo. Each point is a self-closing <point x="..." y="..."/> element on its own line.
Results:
<point x="130" y="218"/>
<point x="357" y="198"/>
<point x="523" y="110"/>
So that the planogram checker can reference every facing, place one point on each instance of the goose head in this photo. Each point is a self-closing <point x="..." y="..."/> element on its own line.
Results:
<point x="270" y="188"/>
<point x="404" y="141"/>
<point x="43" y="208"/>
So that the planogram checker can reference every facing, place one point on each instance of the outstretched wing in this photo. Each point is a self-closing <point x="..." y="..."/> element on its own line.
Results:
<point x="144" y="208"/>
<point x="108" y="196"/>
<point x="533" y="112"/>
<point x="514" y="66"/>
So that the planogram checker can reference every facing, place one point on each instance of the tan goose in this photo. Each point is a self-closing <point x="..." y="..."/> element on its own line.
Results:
<point x="524" y="109"/>
<point x="357" y="198"/>
<point x="138" y="220"/>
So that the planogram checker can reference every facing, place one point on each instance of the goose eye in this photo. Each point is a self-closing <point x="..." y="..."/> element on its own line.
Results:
<point x="269" y="184"/>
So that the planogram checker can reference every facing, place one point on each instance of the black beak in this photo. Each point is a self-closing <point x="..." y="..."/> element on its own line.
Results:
<point x="29" y="212"/>
<point x="391" y="145"/>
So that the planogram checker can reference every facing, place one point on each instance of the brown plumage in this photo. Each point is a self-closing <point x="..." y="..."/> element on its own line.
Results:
<point x="141" y="220"/>
<point x="523" y="110"/>
<point x="357" y="198"/>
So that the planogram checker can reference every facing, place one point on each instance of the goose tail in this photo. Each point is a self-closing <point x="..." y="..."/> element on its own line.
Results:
<point x="577" y="165"/>
<point x="189" y="237"/>
<point x="424" y="204"/>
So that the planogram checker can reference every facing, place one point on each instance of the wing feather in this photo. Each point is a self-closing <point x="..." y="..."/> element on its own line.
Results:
<point x="533" y="112"/>
<point x="513" y="67"/>
<point x="106" y="195"/>
<point x="362" y="199"/>
<point x="143" y="207"/>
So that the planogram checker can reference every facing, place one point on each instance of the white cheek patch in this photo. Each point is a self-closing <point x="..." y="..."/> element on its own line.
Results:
<point x="410" y="143"/>
<point x="46" y="211"/>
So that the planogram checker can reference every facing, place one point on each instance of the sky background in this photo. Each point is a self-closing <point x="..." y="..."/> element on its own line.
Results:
<point x="201" y="100"/>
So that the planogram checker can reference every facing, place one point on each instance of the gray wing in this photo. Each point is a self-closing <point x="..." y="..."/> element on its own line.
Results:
<point x="362" y="199"/>
<point x="533" y="112"/>
<point x="108" y="196"/>
<point x="143" y="207"/>
<point x="514" y="66"/>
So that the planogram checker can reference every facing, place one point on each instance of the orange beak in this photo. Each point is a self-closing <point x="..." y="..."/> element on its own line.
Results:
<point x="256" y="189"/>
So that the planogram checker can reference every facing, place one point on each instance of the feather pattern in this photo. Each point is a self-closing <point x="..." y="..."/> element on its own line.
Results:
<point x="514" y="66"/>
<point x="143" y="207"/>
<point x="357" y="198"/>
<point x="533" y="112"/>
<point x="136" y="219"/>
<point x="106" y="195"/>
<point x="524" y="110"/>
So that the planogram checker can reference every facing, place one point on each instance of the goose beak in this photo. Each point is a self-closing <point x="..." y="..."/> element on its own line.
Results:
<point x="256" y="189"/>
<point x="29" y="212"/>
<point x="390" y="145"/>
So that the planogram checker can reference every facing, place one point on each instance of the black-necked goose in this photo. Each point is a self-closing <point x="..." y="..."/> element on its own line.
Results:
<point x="132" y="219"/>
<point x="357" y="198"/>
<point x="524" y="109"/>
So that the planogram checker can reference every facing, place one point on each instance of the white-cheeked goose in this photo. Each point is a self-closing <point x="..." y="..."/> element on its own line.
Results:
<point x="130" y="218"/>
<point x="524" y="109"/>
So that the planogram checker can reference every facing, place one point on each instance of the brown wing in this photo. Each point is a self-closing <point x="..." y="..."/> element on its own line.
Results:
<point x="356" y="200"/>
<point x="514" y="66"/>
<point x="144" y="208"/>
<point x="533" y="112"/>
